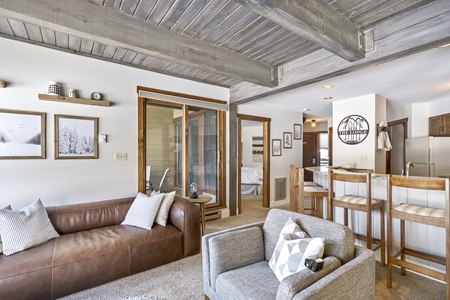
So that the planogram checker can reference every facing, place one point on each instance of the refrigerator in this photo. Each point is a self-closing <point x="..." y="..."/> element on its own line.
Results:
<point x="429" y="155"/>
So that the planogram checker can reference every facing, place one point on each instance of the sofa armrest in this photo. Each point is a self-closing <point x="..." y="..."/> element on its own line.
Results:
<point x="230" y="249"/>
<point x="354" y="280"/>
<point x="294" y="283"/>
<point x="186" y="217"/>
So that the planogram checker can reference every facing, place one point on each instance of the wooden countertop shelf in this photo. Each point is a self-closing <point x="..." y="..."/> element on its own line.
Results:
<point x="2" y="84"/>
<point x="73" y="100"/>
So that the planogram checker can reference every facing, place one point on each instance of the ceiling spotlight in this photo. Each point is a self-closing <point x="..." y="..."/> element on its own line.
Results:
<point x="305" y="109"/>
<point x="328" y="98"/>
<point x="327" y="86"/>
<point x="313" y="123"/>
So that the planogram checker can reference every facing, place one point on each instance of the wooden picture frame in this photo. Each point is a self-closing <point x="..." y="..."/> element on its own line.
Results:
<point x="297" y="131"/>
<point x="287" y="140"/>
<point x="76" y="137"/>
<point x="22" y="134"/>
<point x="276" y="147"/>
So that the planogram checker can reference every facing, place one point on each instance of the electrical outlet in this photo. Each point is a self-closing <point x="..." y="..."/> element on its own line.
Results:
<point x="120" y="156"/>
<point x="363" y="157"/>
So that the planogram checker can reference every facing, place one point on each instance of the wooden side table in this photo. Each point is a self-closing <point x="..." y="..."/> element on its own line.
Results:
<point x="201" y="200"/>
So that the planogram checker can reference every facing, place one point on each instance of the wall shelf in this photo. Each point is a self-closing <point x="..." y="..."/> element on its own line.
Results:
<point x="73" y="100"/>
<point x="2" y="84"/>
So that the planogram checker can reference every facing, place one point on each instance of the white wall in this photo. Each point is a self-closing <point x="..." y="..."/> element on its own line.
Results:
<point x="248" y="132"/>
<point x="281" y="121"/>
<point x="367" y="107"/>
<point x="27" y="69"/>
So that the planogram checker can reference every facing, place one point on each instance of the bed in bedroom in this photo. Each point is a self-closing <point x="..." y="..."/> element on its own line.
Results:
<point x="251" y="180"/>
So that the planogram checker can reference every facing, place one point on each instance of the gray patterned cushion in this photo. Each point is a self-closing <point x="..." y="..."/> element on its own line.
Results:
<point x="1" y="245"/>
<point x="292" y="248"/>
<point x="25" y="228"/>
<point x="421" y="210"/>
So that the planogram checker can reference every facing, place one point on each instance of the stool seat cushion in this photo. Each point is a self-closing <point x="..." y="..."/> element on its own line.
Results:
<point x="421" y="210"/>
<point x="355" y="199"/>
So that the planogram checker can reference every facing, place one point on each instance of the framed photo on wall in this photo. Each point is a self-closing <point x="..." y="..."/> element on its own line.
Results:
<point x="22" y="134"/>
<point x="297" y="131"/>
<point x="76" y="137"/>
<point x="276" y="147"/>
<point x="287" y="140"/>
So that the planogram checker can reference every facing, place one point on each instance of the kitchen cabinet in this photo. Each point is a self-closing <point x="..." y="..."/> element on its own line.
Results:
<point x="439" y="125"/>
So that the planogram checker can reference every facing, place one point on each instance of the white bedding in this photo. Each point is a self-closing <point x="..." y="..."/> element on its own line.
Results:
<point x="251" y="180"/>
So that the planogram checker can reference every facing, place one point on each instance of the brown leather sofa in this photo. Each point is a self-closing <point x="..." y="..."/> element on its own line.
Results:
<point x="94" y="249"/>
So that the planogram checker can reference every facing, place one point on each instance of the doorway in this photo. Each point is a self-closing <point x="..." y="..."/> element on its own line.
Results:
<point x="259" y="143"/>
<point x="395" y="159"/>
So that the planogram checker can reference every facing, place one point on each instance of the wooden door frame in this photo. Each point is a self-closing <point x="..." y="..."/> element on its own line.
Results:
<point x="266" y="157"/>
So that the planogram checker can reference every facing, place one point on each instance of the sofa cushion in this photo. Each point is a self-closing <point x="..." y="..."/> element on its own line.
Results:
<point x="25" y="228"/>
<point x="239" y="284"/>
<point x="1" y="245"/>
<point x="166" y="204"/>
<point x="292" y="248"/>
<point x="143" y="211"/>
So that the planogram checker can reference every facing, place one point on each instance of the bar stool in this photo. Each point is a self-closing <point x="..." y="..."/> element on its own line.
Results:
<point x="301" y="189"/>
<point x="439" y="217"/>
<point x="364" y="204"/>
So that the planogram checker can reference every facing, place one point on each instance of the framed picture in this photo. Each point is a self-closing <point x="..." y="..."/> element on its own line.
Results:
<point x="287" y="140"/>
<point x="297" y="131"/>
<point x="76" y="137"/>
<point x="276" y="147"/>
<point x="22" y="134"/>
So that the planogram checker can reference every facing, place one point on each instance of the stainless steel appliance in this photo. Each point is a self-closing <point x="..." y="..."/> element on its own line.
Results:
<point x="430" y="156"/>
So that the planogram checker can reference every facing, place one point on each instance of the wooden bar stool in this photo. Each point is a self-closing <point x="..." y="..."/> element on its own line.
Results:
<point x="300" y="190"/>
<point x="364" y="204"/>
<point x="439" y="217"/>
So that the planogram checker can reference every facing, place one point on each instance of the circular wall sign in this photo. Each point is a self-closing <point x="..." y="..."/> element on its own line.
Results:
<point x="353" y="129"/>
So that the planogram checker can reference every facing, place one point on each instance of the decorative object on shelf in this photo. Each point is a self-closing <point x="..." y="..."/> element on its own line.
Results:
<point x="96" y="96"/>
<point x="276" y="147"/>
<point x="22" y="134"/>
<point x="193" y="190"/>
<point x="72" y="93"/>
<point x="2" y="84"/>
<point x="73" y="100"/>
<point x="76" y="137"/>
<point x="53" y="88"/>
<point x="297" y="131"/>
<point x="287" y="140"/>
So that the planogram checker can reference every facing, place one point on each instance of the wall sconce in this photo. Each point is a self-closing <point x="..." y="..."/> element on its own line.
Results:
<point x="313" y="123"/>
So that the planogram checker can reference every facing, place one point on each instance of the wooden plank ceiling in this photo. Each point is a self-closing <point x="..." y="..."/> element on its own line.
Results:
<point x="256" y="48"/>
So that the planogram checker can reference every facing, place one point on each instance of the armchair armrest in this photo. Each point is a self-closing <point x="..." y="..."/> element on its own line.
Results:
<point x="354" y="280"/>
<point x="296" y="282"/>
<point x="230" y="249"/>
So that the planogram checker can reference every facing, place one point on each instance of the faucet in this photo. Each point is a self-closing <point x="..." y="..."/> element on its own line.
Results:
<point x="409" y="165"/>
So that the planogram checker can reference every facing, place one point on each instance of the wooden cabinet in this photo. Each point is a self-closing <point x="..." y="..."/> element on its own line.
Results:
<point x="439" y="125"/>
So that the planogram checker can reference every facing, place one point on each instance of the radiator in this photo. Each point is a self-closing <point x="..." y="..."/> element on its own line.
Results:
<point x="280" y="188"/>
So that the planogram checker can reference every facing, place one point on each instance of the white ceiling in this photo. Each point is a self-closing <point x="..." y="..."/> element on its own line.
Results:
<point x="417" y="78"/>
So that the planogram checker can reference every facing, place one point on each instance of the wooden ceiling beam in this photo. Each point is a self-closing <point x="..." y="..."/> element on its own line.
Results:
<point x="316" y="21"/>
<point x="414" y="32"/>
<point x="101" y="24"/>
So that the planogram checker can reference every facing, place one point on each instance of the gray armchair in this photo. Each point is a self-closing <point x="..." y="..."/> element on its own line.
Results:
<point x="236" y="263"/>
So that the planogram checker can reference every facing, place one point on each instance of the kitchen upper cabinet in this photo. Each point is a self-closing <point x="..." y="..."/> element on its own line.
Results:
<point x="439" y="125"/>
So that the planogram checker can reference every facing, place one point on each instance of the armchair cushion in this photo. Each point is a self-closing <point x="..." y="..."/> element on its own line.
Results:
<point x="234" y="250"/>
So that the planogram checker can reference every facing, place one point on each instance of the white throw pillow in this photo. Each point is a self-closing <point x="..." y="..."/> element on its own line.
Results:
<point x="1" y="245"/>
<point x="292" y="248"/>
<point x="143" y="211"/>
<point x="166" y="204"/>
<point x="25" y="228"/>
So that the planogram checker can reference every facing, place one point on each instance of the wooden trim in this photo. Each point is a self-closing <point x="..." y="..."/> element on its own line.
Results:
<point x="181" y="95"/>
<point x="253" y="118"/>
<point x="239" y="167"/>
<point x="186" y="148"/>
<point x="142" y="161"/>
